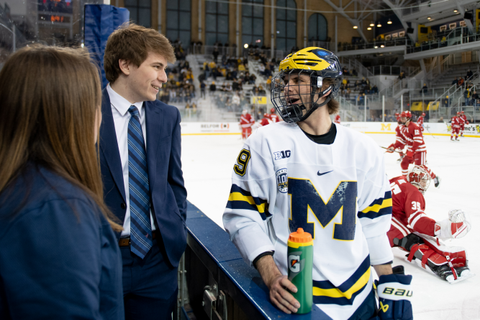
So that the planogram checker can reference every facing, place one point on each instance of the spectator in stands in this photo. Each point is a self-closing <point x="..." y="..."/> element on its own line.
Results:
<point x="202" y="89"/>
<point x="236" y="102"/>
<point x="374" y="89"/>
<point x="469" y="74"/>
<point x="354" y="72"/>
<point x="455" y="81"/>
<point x="235" y="85"/>
<point x="460" y="82"/>
<point x="466" y="96"/>
<point x="269" y="83"/>
<point x="215" y="53"/>
<point x="401" y="76"/>
<point x="241" y="67"/>
<point x="206" y="70"/>
<point x="213" y="88"/>
<point x="475" y="99"/>
<point x="424" y="89"/>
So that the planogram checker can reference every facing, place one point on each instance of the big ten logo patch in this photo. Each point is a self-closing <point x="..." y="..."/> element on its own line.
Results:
<point x="282" y="180"/>
<point x="282" y="154"/>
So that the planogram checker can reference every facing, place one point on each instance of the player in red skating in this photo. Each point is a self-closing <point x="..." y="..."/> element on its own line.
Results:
<point x="413" y="231"/>
<point x="416" y="148"/>
<point x="246" y="122"/>
<point x="265" y="120"/>
<point x="399" y="139"/>
<point x="273" y="116"/>
<point x="420" y="121"/>
<point x="463" y="121"/>
<point x="455" y="125"/>
<point x="337" y="119"/>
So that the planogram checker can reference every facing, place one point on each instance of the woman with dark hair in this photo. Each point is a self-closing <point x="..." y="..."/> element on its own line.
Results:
<point x="59" y="256"/>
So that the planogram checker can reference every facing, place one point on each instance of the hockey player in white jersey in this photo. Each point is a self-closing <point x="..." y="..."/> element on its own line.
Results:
<point x="307" y="172"/>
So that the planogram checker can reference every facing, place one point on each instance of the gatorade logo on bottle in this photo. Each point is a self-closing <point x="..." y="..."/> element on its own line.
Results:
<point x="294" y="263"/>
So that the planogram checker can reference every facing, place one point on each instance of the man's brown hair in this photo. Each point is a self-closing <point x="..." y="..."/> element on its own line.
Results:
<point x="133" y="43"/>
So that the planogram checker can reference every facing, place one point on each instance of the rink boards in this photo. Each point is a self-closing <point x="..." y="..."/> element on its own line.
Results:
<point x="233" y="128"/>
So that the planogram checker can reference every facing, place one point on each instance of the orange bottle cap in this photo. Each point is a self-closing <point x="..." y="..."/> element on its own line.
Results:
<point x="300" y="236"/>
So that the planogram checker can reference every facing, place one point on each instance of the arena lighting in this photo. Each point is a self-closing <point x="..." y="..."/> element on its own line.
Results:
<point x="245" y="45"/>
<point x="376" y="47"/>
<point x="355" y="27"/>
<point x="382" y="46"/>
<point x="372" y="24"/>
<point x="379" y="25"/>
<point x="389" y="21"/>
<point x="369" y="28"/>
<point x="429" y="18"/>
<point x="455" y="10"/>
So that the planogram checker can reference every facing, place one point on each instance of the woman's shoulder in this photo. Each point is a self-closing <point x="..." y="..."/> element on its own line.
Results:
<point x="37" y="186"/>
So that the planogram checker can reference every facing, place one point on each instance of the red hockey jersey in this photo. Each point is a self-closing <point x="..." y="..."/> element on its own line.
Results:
<point x="337" y="119"/>
<point x="455" y="122"/>
<point x="420" y="122"/>
<point x="246" y="121"/>
<point x="414" y="138"/>
<point x="408" y="208"/>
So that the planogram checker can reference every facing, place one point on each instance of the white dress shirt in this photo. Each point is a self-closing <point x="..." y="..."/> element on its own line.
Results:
<point x="121" y="117"/>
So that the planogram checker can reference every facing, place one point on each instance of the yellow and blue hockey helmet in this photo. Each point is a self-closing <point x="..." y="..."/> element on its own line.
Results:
<point x="319" y="64"/>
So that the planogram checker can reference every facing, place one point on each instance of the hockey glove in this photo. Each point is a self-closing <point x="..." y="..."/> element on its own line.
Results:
<point x="455" y="227"/>
<point x="394" y="294"/>
<point x="391" y="148"/>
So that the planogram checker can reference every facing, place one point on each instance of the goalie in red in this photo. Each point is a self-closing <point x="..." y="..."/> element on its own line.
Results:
<point x="422" y="237"/>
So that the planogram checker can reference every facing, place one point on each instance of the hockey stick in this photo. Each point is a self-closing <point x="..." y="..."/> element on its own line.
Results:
<point x="387" y="149"/>
<point x="426" y="128"/>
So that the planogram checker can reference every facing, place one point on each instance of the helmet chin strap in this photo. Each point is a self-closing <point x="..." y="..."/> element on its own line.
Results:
<point x="315" y="105"/>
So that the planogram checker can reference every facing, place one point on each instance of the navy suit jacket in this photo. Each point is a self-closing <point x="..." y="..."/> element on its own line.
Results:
<point x="59" y="258"/>
<point x="167" y="191"/>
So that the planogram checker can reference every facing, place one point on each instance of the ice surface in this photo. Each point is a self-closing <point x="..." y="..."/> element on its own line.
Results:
<point x="207" y="167"/>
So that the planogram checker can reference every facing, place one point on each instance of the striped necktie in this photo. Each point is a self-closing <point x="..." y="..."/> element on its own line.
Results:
<point x="140" y="225"/>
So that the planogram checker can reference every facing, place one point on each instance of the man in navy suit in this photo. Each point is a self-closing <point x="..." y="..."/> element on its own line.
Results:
<point x="135" y="60"/>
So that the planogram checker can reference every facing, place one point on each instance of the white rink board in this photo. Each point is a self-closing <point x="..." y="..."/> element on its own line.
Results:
<point x="233" y="128"/>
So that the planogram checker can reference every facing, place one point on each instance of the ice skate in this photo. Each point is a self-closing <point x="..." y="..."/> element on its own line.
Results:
<point x="463" y="273"/>
<point x="437" y="181"/>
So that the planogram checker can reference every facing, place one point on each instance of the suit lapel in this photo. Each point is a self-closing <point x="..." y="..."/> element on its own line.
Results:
<point x="109" y="145"/>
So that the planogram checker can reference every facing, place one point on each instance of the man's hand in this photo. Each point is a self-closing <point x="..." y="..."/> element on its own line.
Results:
<point x="391" y="148"/>
<point x="278" y="285"/>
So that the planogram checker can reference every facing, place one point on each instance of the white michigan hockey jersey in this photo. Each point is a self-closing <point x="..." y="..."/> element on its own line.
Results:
<point x="339" y="193"/>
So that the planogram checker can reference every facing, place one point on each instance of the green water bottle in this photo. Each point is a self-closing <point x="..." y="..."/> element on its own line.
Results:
<point x="300" y="262"/>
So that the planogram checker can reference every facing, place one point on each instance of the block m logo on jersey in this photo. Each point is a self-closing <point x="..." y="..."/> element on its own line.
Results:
<point x="305" y="198"/>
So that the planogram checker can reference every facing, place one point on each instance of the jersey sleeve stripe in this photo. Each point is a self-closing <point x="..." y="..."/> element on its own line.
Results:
<point x="379" y="207"/>
<point x="325" y="292"/>
<point x="242" y="199"/>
